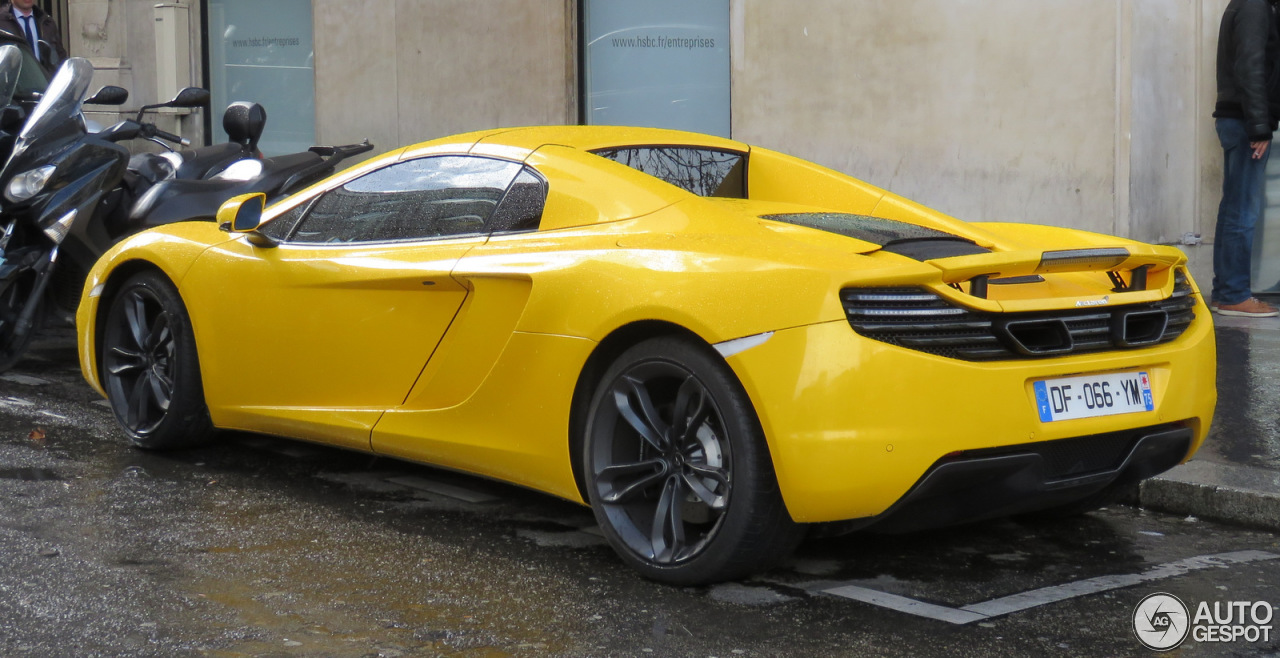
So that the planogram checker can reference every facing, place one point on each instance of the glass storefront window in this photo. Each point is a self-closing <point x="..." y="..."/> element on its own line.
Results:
<point x="265" y="56"/>
<point x="660" y="63"/>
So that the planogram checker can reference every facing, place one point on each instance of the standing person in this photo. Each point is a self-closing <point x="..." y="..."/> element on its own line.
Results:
<point x="1246" y="113"/>
<point x="25" y="19"/>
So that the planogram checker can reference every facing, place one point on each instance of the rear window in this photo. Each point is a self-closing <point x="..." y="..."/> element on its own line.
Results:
<point x="704" y="172"/>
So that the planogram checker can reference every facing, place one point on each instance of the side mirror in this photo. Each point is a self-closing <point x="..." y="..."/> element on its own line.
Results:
<point x="109" y="95"/>
<point x="190" y="97"/>
<point x="243" y="214"/>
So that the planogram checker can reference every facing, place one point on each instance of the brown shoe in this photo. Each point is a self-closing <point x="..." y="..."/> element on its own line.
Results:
<point x="1249" y="308"/>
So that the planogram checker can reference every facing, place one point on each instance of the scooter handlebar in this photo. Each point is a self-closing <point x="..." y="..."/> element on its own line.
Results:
<point x="172" y="137"/>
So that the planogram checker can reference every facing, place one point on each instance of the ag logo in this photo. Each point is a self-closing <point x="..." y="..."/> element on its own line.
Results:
<point x="1161" y="622"/>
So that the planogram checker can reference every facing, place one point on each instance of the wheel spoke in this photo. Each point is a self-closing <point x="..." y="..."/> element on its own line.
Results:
<point x="720" y="475"/>
<point x="120" y="361"/>
<point x="693" y="479"/>
<point x="690" y="411"/>
<point x="135" y="313"/>
<point x="667" y="535"/>
<point x="138" y="403"/>
<point x="630" y="393"/>
<point x="160" y="389"/>
<point x="623" y="482"/>
<point x="159" y="333"/>
<point x="161" y="373"/>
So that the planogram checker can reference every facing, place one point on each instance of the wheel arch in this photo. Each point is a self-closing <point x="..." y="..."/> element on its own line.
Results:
<point x="611" y="347"/>
<point x="110" y="288"/>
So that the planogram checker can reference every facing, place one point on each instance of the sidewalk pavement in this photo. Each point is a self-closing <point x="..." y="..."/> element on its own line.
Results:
<point x="1235" y="477"/>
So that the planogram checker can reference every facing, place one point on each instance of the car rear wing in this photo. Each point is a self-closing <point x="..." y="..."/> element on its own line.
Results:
<point x="1128" y="267"/>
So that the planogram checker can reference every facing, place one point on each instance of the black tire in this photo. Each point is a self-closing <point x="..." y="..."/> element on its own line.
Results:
<point x="11" y="302"/>
<point x="670" y="422"/>
<point x="150" y="369"/>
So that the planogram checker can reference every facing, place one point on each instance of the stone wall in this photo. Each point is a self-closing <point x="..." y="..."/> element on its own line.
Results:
<point x="413" y="70"/>
<point x="1089" y="113"/>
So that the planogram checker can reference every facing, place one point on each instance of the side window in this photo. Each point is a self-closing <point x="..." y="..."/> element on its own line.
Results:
<point x="521" y="207"/>
<point x="701" y="171"/>
<point x="432" y="197"/>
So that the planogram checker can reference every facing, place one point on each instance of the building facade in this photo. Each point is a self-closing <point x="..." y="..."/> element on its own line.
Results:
<point x="1092" y="114"/>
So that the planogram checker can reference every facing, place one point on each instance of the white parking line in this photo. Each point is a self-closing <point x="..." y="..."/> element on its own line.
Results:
<point x="1045" y="595"/>
<point x="904" y="604"/>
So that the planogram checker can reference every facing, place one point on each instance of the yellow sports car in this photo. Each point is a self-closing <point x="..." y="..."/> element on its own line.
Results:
<point x="713" y="345"/>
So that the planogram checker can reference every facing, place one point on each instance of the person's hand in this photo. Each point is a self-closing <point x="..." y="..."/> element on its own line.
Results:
<point x="1259" y="149"/>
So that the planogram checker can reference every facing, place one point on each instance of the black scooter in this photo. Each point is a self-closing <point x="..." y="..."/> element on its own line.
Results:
<point x="67" y="194"/>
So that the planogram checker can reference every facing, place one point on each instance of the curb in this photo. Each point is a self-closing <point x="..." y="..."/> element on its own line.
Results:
<point x="1221" y="492"/>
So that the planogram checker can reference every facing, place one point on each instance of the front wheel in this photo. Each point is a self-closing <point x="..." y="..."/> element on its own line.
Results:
<point x="678" y="472"/>
<point x="149" y="366"/>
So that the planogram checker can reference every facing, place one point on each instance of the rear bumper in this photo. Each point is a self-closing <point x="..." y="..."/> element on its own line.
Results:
<point x="854" y="425"/>
<point x="988" y="484"/>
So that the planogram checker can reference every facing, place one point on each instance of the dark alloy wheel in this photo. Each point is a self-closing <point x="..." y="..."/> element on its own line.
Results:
<point x="678" y="471"/>
<point x="12" y="299"/>
<point x="149" y="366"/>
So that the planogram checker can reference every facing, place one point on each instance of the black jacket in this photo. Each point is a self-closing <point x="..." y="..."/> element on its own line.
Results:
<point x="1249" y="67"/>
<point x="44" y="25"/>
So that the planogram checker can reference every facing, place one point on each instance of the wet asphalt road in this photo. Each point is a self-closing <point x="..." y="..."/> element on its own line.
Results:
<point x="263" y="547"/>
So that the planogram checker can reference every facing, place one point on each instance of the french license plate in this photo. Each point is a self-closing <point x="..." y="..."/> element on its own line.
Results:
<point x="1087" y="396"/>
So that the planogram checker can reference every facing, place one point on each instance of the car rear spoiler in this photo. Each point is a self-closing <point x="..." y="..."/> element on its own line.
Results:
<point x="1128" y="267"/>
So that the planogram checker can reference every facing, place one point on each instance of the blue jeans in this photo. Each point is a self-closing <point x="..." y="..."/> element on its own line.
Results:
<point x="1241" y="207"/>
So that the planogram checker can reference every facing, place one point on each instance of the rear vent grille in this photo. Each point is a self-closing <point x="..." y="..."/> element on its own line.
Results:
<point x="921" y="320"/>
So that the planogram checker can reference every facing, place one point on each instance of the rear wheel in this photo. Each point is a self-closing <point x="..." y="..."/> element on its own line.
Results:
<point x="149" y="366"/>
<point x="679" y="475"/>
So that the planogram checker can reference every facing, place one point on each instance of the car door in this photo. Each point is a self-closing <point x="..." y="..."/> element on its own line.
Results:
<point x="315" y="337"/>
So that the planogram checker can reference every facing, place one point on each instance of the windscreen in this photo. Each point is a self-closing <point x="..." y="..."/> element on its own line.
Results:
<point x="59" y="108"/>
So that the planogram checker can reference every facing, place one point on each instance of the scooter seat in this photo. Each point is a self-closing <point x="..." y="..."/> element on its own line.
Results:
<point x="208" y="161"/>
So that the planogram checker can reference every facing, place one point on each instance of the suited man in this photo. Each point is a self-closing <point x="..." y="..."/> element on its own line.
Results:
<point x="21" y="16"/>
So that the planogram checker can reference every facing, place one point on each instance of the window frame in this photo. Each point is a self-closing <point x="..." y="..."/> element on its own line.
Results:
<point x="309" y="203"/>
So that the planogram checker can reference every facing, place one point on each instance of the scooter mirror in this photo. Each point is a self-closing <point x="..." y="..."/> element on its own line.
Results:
<point x="190" y="97"/>
<point x="109" y="95"/>
<point x="48" y="56"/>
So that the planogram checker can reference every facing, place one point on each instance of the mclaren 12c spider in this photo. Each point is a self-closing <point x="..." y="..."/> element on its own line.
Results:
<point x="715" y="346"/>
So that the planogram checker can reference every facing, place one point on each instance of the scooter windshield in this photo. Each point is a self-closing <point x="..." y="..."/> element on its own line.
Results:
<point x="59" y="108"/>
<point x="10" y="71"/>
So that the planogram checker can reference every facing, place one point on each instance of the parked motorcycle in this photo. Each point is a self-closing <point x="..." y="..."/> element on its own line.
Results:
<point x="69" y="194"/>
